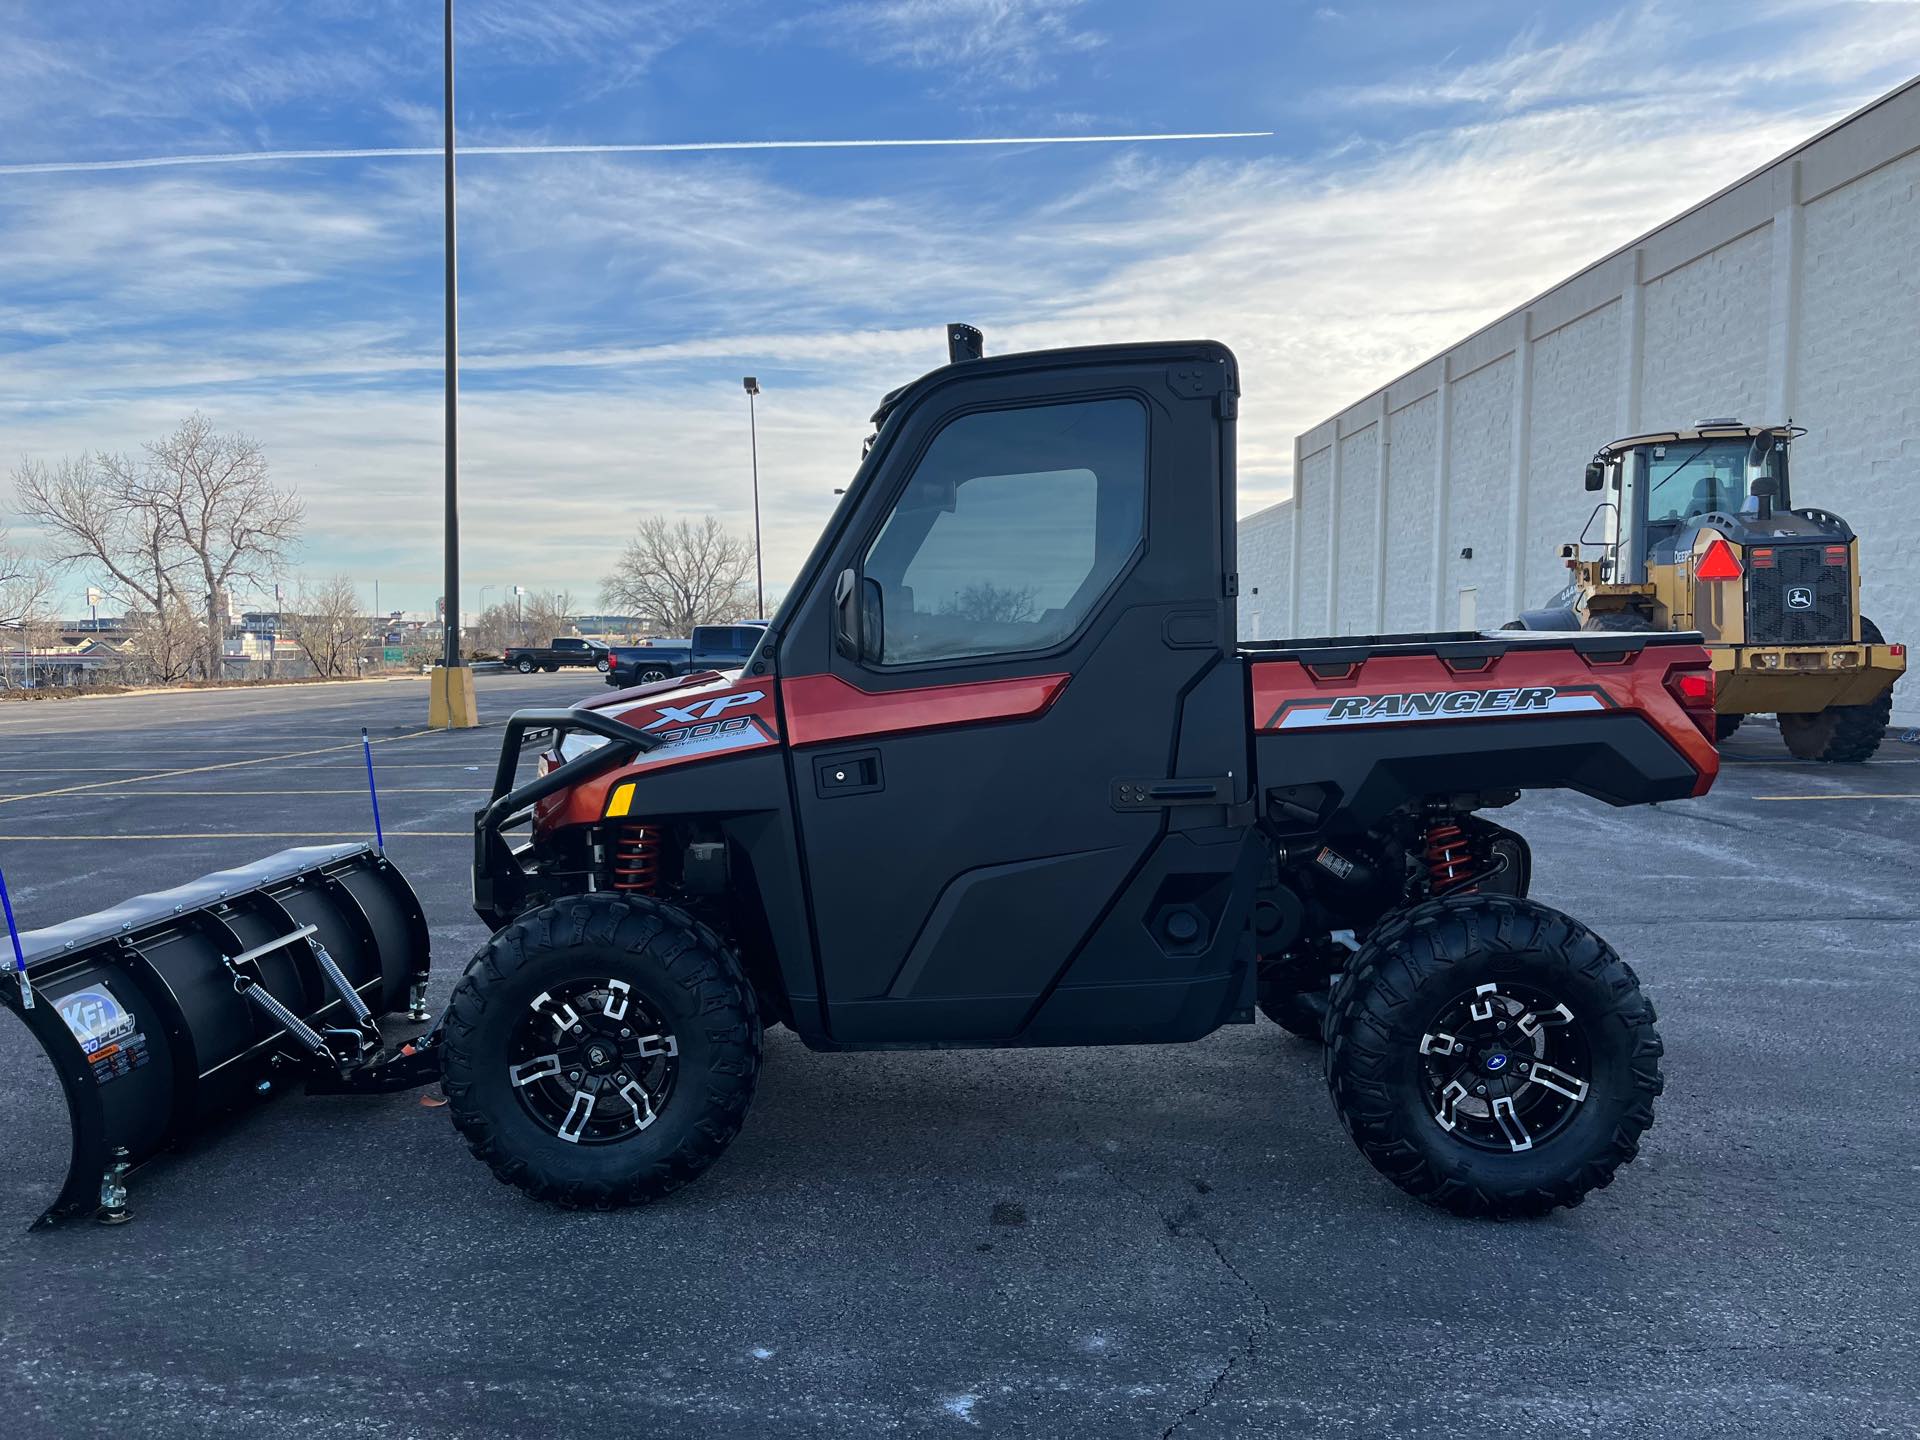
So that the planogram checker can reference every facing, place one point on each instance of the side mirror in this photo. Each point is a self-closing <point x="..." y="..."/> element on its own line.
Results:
<point x="1596" y="475"/>
<point x="1763" y="490"/>
<point x="846" y="615"/>
<point x="858" y="619"/>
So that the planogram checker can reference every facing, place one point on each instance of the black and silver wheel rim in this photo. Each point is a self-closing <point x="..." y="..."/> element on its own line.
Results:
<point x="592" y="1063"/>
<point x="1506" y="1067"/>
<point x="652" y="677"/>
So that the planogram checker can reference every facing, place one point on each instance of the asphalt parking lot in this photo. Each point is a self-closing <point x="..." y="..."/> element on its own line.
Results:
<point x="1127" y="1242"/>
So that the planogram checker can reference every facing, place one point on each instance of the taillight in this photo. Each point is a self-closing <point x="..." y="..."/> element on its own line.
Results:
<point x="1719" y="563"/>
<point x="1834" y="555"/>
<point x="1761" y="559"/>
<point x="1694" y="690"/>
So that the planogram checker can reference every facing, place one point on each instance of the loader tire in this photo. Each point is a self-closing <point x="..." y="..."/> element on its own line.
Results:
<point x="1431" y="1120"/>
<point x="1617" y="620"/>
<point x="655" y="1049"/>
<point x="1725" y="725"/>
<point x="1842" y="734"/>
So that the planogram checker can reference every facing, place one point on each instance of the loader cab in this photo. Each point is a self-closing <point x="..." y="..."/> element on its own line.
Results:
<point x="1655" y="488"/>
<point x="1015" y="635"/>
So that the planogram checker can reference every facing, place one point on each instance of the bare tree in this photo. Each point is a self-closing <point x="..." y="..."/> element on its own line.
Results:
<point x="531" y="619"/>
<point x="233" y="522"/>
<point x="327" y="624"/>
<point x="995" y="604"/>
<point x="164" y="646"/>
<point x="94" y="509"/>
<point x="681" y="574"/>
<point x="194" y="516"/>
<point x="25" y="585"/>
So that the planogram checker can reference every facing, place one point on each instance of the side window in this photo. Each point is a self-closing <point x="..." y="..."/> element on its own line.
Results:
<point x="1009" y="530"/>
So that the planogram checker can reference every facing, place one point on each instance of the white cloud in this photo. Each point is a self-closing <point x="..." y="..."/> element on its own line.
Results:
<point x="1018" y="44"/>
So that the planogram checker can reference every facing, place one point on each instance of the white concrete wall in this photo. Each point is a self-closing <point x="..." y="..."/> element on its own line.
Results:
<point x="1793" y="294"/>
<point x="1266" y="548"/>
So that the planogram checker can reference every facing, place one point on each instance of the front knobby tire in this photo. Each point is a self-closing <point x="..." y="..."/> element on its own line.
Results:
<point x="619" y="1019"/>
<point x="1513" y="979"/>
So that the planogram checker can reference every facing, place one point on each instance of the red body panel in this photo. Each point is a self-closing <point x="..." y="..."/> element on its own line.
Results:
<point x="1289" y="695"/>
<point x="822" y="708"/>
<point x="699" y="716"/>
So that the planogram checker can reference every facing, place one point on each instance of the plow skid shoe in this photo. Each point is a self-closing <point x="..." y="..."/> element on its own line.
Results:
<point x="171" y="1009"/>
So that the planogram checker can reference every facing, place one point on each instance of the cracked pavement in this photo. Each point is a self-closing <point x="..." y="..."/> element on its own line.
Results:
<point x="1155" y="1241"/>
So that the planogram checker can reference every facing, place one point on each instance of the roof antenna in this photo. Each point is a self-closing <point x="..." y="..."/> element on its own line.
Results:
<point x="964" y="342"/>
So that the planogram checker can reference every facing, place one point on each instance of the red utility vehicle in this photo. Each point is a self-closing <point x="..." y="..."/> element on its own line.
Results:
<point x="1001" y="773"/>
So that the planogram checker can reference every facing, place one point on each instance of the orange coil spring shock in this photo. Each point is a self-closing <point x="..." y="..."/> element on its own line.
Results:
<point x="1452" y="867"/>
<point x="636" y="859"/>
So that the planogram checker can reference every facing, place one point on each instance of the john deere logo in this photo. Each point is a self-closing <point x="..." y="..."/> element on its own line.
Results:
<point x="1799" y="597"/>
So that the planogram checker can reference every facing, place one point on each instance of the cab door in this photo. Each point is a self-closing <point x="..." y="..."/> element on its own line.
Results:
<point x="1017" y="649"/>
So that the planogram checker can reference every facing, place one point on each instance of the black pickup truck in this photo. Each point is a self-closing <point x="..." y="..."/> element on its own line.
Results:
<point x="565" y="650"/>
<point x="711" y="647"/>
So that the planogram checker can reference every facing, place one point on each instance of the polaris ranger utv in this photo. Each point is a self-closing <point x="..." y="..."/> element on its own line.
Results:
<point x="998" y="773"/>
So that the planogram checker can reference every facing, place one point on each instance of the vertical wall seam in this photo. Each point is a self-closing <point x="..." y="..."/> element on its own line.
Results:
<point x="1519" y="464"/>
<point x="1333" y="535"/>
<point x="1383" y="459"/>
<point x="1442" y="476"/>
<point x="1293" y="541"/>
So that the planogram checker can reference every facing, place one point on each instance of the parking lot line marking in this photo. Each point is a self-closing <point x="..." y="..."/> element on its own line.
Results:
<point x="204" y="769"/>
<point x="252" y="835"/>
<point x="1836" y="797"/>
<point x="220" y="794"/>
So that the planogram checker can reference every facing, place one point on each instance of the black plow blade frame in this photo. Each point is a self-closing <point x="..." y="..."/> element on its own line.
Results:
<point x="172" y="1009"/>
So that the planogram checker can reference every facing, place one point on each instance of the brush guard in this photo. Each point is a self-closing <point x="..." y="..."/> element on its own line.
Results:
<point x="168" y="1011"/>
<point x="501" y="879"/>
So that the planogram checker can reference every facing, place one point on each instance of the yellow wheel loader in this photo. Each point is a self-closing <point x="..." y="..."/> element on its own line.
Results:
<point x="1696" y="531"/>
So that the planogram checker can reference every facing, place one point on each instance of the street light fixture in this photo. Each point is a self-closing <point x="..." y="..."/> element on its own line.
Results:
<point x="752" y="387"/>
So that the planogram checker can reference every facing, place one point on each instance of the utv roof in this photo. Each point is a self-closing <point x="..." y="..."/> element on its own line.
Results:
<point x="1162" y="351"/>
<point x="1702" y="430"/>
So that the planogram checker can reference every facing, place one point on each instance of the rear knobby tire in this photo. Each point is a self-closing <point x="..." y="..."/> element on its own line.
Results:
<point x="1842" y="734"/>
<point x="1419" y="966"/>
<point x="1725" y="725"/>
<point x="678" y="972"/>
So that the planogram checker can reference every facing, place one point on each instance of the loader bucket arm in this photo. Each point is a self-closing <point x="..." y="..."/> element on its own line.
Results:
<point x="171" y="1009"/>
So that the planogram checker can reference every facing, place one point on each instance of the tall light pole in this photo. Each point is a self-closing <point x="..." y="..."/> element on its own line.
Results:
<point x="752" y="387"/>
<point x="452" y="659"/>
<point x="451" y="705"/>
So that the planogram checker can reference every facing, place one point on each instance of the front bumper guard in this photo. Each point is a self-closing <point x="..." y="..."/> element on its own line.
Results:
<point x="500" y="879"/>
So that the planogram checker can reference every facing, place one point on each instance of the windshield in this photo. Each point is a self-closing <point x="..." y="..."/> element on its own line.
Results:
<point x="1689" y="478"/>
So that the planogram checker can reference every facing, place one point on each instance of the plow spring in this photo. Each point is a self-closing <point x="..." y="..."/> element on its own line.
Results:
<point x="170" y="1010"/>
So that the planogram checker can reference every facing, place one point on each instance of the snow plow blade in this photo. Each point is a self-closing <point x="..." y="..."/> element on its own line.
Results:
<point x="172" y="1009"/>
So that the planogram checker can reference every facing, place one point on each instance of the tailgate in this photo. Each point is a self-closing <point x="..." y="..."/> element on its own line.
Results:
<point x="1600" y="712"/>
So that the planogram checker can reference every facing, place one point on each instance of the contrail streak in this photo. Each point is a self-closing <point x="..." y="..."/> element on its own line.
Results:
<point x="262" y="157"/>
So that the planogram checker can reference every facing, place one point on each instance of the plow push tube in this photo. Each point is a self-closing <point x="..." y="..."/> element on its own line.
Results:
<point x="494" y="862"/>
<point x="168" y="1010"/>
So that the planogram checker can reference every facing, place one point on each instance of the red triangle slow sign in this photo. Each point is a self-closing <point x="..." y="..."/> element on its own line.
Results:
<point x="1719" y="563"/>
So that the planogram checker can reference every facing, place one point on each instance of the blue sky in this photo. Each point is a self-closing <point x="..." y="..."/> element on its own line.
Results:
<point x="1430" y="166"/>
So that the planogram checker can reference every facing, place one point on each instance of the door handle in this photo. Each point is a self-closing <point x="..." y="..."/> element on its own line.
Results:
<point x="851" y="772"/>
<point x="1151" y="794"/>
